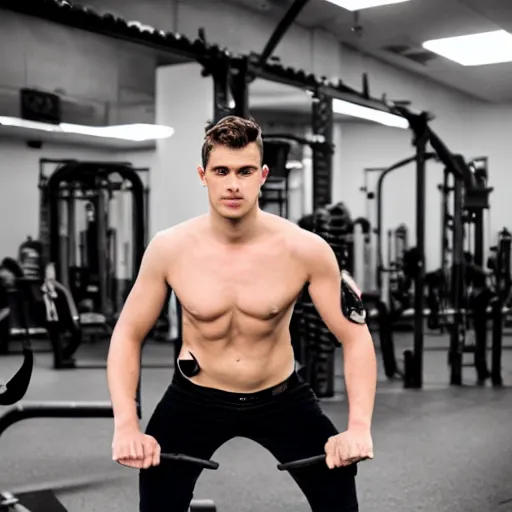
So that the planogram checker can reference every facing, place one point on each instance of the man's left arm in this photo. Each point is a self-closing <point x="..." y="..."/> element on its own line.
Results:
<point x="360" y="364"/>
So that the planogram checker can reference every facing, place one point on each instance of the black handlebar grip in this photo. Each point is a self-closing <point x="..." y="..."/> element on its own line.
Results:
<point x="207" y="464"/>
<point x="302" y="463"/>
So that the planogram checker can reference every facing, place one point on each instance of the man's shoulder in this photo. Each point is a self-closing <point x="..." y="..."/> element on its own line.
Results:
<point x="180" y="230"/>
<point x="299" y="240"/>
<point x="174" y="237"/>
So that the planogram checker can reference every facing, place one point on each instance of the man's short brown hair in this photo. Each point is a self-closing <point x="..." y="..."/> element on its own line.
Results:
<point x="234" y="132"/>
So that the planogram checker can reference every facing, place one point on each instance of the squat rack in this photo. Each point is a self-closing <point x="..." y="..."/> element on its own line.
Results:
<point x="231" y="76"/>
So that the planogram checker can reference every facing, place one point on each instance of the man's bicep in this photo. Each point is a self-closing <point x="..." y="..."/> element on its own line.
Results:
<point x="325" y="290"/>
<point x="324" y="282"/>
<point x="147" y="296"/>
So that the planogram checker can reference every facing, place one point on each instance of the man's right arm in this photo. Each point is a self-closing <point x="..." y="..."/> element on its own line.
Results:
<point x="139" y="314"/>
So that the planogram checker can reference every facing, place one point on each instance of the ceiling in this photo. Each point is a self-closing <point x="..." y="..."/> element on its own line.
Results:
<point x="391" y="33"/>
<point x="395" y="33"/>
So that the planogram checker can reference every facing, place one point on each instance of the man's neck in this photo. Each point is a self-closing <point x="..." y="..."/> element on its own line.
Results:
<point x="235" y="232"/>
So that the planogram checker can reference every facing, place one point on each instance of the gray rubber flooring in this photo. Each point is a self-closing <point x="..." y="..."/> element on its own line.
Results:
<point x="440" y="449"/>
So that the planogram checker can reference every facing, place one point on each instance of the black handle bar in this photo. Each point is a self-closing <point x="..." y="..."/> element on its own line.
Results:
<point x="210" y="464"/>
<point x="207" y="464"/>
<point x="302" y="463"/>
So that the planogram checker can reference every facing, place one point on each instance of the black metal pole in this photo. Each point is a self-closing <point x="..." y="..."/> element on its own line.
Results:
<point x="281" y="29"/>
<point x="240" y="88"/>
<point x="445" y="227"/>
<point x="497" y="342"/>
<point x="23" y="411"/>
<point x="503" y="286"/>
<point x="322" y="124"/>
<point x="416" y="377"/>
<point x="458" y="332"/>
<point x="479" y="241"/>
<point x="221" y="74"/>
<point x="101" y="247"/>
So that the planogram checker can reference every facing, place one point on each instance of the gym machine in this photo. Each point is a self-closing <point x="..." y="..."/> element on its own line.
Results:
<point x="311" y="339"/>
<point x="399" y="281"/>
<point x="18" y="385"/>
<point x="95" y="261"/>
<point x="381" y="269"/>
<point x="500" y="265"/>
<point x="276" y="187"/>
<point x="363" y="254"/>
<point x="470" y="292"/>
<point x="277" y="146"/>
<point x="314" y="344"/>
<point x="87" y="261"/>
<point x="455" y="165"/>
<point x="14" y="391"/>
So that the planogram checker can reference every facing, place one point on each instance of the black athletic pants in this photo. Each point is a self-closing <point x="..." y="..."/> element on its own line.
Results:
<point x="286" y="419"/>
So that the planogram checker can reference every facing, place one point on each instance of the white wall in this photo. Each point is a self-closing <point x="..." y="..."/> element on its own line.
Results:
<point x="177" y="194"/>
<point x="19" y="176"/>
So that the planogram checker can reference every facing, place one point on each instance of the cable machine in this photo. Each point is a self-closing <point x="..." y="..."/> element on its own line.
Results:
<point x="87" y="261"/>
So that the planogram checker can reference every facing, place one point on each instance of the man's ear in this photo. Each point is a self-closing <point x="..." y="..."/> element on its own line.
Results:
<point x="264" y="174"/>
<point x="202" y="175"/>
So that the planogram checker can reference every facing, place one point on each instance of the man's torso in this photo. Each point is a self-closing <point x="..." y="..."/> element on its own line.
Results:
<point x="237" y="303"/>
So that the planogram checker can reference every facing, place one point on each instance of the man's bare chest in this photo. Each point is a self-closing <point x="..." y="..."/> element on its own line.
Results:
<point x="257" y="285"/>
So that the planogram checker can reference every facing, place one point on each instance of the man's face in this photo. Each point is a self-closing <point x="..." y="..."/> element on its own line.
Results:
<point x="234" y="178"/>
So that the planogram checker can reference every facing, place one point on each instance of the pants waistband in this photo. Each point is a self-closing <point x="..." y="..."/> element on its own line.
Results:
<point x="233" y="397"/>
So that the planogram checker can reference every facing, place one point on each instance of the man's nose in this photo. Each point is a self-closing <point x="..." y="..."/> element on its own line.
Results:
<point x="233" y="184"/>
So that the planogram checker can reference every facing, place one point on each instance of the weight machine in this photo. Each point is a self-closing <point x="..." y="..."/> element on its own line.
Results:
<point x="93" y="228"/>
<point x="18" y="385"/>
<point x="469" y="280"/>
<point x="87" y="260"/>
<point x="381" y="268"/>
<point x="276" y="187"/>
<point x="277" y="147"/>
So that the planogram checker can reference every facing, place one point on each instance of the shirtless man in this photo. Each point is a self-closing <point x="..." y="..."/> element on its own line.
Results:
<point x="237" y="272"/>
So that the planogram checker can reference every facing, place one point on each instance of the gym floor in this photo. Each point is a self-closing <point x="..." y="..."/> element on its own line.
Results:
<point x="440" y="449"/>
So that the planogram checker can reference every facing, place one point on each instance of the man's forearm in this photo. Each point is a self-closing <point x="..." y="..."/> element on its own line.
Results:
<point x="360" y="365"/>
<point x="123" y="371"/>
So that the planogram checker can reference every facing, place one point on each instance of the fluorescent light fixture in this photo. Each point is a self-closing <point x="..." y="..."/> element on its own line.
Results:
<point x="370" y="114"/>
<point x="133" y="132"/>
<point x="357" y="5"/>
<point x="476" y="49"/>
<point x="130" y="132"/>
